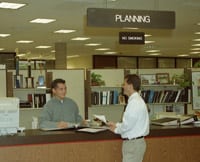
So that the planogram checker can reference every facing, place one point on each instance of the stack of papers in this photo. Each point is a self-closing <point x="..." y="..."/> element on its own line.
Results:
<point x="92" y="130"/>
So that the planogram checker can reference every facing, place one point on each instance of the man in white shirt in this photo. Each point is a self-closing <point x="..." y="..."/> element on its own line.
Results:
<point x="135" y="122"/>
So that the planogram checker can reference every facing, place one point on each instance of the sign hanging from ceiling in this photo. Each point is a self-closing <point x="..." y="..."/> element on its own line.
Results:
<point x="131" y="38"/>
<point x="101" y="17"/>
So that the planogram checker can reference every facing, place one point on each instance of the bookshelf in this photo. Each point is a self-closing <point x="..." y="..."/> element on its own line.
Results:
<point x="34" y="96"/>
<point x="167" y="97"/>
<point x="106" y="99"/>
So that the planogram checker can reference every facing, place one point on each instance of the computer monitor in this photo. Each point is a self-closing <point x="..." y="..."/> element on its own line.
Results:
<point x="9" y="115"/>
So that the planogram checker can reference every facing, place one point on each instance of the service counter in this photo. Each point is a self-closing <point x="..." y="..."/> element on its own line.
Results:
<point x="166" y="144"/>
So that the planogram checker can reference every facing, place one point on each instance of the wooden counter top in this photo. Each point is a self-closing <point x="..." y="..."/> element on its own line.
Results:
<point x="29" y="137"/>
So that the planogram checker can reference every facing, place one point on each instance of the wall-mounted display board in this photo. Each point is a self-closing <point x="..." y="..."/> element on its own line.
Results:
<point x="196" y="89"/>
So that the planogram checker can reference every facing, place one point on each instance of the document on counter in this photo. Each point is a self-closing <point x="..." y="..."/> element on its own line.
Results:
<point x="93" y="130"/>
<point x="54" y="129"/>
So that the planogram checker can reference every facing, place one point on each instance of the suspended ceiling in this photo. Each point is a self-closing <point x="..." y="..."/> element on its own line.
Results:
<point x="71" y="14"/>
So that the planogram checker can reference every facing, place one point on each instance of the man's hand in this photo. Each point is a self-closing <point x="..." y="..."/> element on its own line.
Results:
<point x="84" y="122"/>
<point x="62" y="124"/>
<point x="112" y="126"/>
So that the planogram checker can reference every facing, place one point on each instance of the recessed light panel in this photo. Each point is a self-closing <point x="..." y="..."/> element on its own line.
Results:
<point x="93" y="44"/>
<point x="4" y="35"/>
<point x="195" y="49"/>
<point x="196" y="45"/>
<point x="44" y="47"/>
<point x="64" y="31"/>
<point x="24" y="41"/>
<point x="1" y="49"/>
<point x="146" y="42"/>
<point x="80" y="38"/>
<point x="42" y="21"/>
<point x="196" y="39"/>
<point x="102" y="49"/>
<point x="154" y="54"/>
<point x="183" y="55"/>
<point x="110" y="53"/>
<point x="153" y="51"/>
<point x="14" y="6"/>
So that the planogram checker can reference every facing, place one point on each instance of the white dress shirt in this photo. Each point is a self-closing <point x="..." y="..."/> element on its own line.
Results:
<point x="135" y="121"/>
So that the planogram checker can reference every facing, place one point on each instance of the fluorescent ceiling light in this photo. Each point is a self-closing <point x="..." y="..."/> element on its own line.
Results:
<point x="73" y="56"/>
<point x="80" y="38"/>
<point x="146" y="42"/>
<point x="130" y="28"/>
<point x="64" y="31"/>
<point x="43" y="47"/>
<point x="13" y="6"/>
<point x="197" y="33"/>
<point x="53" y="51"/>
<point x="195" y="52"/>
<point x="110" y="53"/>
<point x="183" y="55"/>
<point x="198" y="23"/>
<point x="196" y="39"/>
<point x="93" y="44"/>
<point x="1" y="49"/>
<point x="22" y="54"/>
<point x="24" y="41"/>
<point x="147" y="35"/>
<point x="155" y="54"/>
<point x="195" y="49"/>
<point x="4" y="35"/>
<point x="153" y="51"/>
<point x="196" y="45"/>
<point x="42" y="21"/>
<point x="102" y="49"/>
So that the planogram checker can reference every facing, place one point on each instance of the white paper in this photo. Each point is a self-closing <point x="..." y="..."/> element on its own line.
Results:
<point x="92" y="130"/>
<point x="101" y="117"/>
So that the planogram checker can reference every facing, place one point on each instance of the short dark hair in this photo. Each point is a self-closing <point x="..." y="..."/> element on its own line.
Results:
<point x="55" y="82"/>
<point x="134" y="80"/>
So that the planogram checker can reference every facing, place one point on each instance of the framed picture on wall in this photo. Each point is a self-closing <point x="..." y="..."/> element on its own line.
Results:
<point x="162" y="78"/>
<point x="147" y="79"/>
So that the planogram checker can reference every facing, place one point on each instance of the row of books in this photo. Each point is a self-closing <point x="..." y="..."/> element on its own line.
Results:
<point x="165" y="96"/>
<point x="106" y="97"/>
<point x="35" y="100"/>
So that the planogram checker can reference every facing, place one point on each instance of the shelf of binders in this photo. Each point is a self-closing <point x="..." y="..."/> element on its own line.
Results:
<point x="165" y="94"/>
<point x="32" y="97"/>
<point x="106" y="96"/>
